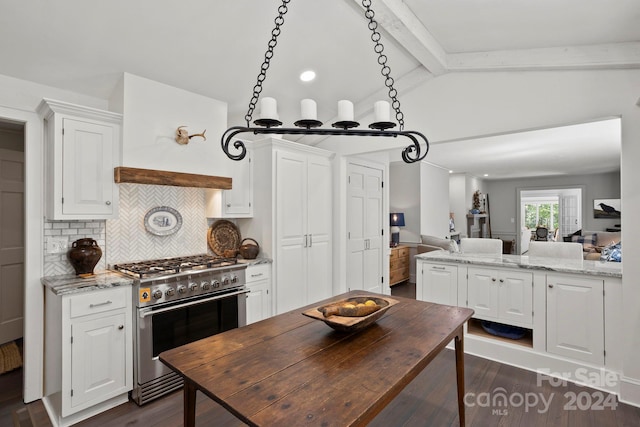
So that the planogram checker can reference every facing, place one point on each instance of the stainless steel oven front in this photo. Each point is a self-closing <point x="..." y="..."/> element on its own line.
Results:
<point x="166" y="326"/>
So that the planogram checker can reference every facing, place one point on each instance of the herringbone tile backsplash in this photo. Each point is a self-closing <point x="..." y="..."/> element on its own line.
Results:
<point x="125" y="239"/>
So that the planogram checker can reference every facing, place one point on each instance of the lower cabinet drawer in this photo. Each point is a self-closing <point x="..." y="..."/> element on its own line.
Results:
<point x="98" y="302"/>
<point x="399" y="275"/>
<point x="257" y="272"/>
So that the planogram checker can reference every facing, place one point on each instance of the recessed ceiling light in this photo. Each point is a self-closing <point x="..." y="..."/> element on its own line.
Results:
<point x="486" y="174"/>
<point x="308" y="75"/>
<point x="450" y="171"/>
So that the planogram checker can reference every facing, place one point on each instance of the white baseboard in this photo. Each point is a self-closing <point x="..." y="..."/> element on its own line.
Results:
<point x="630" y="391"/>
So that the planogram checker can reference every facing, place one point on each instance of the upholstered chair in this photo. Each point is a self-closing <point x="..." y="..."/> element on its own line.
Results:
<point x="473" y="245"/>
<point x="564" y="250"/>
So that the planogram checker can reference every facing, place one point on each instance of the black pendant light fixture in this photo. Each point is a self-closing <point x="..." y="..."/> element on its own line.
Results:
<point x="310" y="125"/>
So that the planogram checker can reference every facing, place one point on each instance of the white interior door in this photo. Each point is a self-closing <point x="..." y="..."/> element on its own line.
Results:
<point x="570" y="219"/>
<point x="11" y="244"/>
<point x="364" y="228"/>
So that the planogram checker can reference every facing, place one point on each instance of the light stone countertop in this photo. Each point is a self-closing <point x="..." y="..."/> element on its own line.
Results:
<point x="71" y="284"/>
<point x="593" y="268"/>
<point x="255" y="261"/>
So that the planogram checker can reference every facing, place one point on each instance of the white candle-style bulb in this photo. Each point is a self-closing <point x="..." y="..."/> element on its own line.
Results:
<point x="381" y="111"/>
<point x="309" y="109"/>
<point x="345" y="111"/>
<point x="268" y="108"/>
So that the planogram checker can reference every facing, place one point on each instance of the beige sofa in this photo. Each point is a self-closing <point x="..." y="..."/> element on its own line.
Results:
<point x="594" y="241"/>
<point x="432" y="243"/>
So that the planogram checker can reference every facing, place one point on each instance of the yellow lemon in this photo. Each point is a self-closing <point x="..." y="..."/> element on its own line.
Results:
<point x="370" y="303"/>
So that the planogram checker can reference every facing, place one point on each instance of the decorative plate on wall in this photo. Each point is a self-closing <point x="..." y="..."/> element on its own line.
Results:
<point x="162" y="221"/>
<point x="223" y="235"/>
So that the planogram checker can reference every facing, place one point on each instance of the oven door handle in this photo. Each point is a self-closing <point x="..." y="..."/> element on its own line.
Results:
<point x="150" y="311"/>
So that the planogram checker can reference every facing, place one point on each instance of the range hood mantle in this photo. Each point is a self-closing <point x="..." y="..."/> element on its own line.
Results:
<point x="177" y="179"/>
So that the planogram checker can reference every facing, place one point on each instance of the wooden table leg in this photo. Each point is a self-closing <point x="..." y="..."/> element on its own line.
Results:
<point x="459" y="344"/>
<point x="189" y="404"/>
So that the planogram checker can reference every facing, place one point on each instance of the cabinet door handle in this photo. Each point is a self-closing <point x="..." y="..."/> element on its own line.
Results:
<point x="306" y="240"/>
<point x="550" y="285"/>
<point x="108" y="203"/>
<point x="256" y="275"/>
<point x="437" y="268"/>
<point x="121" y="327"/>
<point x="493" y="279"/>
<point x="100" y="303"/>
<point x="228" y="205"/>
<point x="310" y="240"/>
<point x="501" y="280"/>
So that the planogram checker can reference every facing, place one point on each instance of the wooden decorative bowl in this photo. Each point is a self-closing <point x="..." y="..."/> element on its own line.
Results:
<point x="351" y="323"/>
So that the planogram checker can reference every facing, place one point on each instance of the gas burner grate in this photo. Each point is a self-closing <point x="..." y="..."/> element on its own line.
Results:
<point x="175" y="265"/>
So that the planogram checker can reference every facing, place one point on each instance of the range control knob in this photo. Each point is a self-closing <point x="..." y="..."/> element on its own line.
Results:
<point x="193" y="287"/>
<point x="225" y="281"/>
<point x="205" y="285"/>
<point x="182" y="289"/>
<point x="170" y="292"/>
<point x="215" y="283"/>
<point x="157" y="294"/>
<point x="234" y="278"/>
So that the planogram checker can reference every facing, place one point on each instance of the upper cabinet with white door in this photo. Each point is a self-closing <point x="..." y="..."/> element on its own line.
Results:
<point x="237" y="202"/>
<point x="293" y="199"/>
<point x="82" y="147"/>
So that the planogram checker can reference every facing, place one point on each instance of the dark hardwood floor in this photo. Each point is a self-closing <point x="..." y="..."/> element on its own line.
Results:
<point x="404" y="289"/>
<point x="497" y="395"/>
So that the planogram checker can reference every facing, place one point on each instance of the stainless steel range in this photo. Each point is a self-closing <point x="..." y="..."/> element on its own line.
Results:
<point x="178" y="301"/>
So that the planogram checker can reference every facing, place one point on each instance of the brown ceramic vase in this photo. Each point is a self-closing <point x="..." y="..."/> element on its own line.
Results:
<point x="84" y="255"/>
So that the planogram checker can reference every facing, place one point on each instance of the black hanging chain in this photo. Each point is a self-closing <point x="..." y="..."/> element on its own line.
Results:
<point x="378" y="48"/>
<point x="257" y="89"/>
<point x="382" y="60"/>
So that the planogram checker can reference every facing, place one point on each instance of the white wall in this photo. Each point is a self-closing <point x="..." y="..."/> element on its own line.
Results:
<point x="152" y="113"/>
<point x="404" y="196"/>
<point x="504" y="203"/>
<point x="421" y="191"/>
<point x="434" y="200"/>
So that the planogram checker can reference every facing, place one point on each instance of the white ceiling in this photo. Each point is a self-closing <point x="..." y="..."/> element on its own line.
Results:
<point x="215" y="48"/>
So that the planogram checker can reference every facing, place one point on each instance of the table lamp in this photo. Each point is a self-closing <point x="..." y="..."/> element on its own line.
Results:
<point x="396" y="220"/>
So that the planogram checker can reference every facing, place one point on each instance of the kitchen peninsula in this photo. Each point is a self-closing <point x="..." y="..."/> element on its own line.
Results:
<point x="570" y="312"/>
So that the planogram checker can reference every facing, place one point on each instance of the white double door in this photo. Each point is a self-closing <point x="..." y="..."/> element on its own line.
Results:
<point x="365" y="240"/>
<point x="303" y="230"/>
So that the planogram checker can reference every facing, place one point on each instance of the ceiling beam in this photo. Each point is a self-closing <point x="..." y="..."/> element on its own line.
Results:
<point x="615" y="55"/>
<point x="405" y="27"/>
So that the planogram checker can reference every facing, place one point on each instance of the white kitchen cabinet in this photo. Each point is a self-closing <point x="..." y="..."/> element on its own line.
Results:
<point x="258" y="278"/>
<point x="237" y="202"/>
<point x="293" y="199"/>
<point x="575" y="317"/>
<point x="437" y="283"/>
<point x="82" y="147"/>
<point x="88" y="352"/>
<point x="501" y="295"/>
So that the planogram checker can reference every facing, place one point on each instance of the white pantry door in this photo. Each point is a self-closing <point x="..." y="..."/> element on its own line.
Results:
<point x="364" y="228"/>
<point x="11" y="244"/>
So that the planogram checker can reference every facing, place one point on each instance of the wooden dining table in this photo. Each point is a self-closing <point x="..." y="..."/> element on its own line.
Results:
<point x="292" y="370"/>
